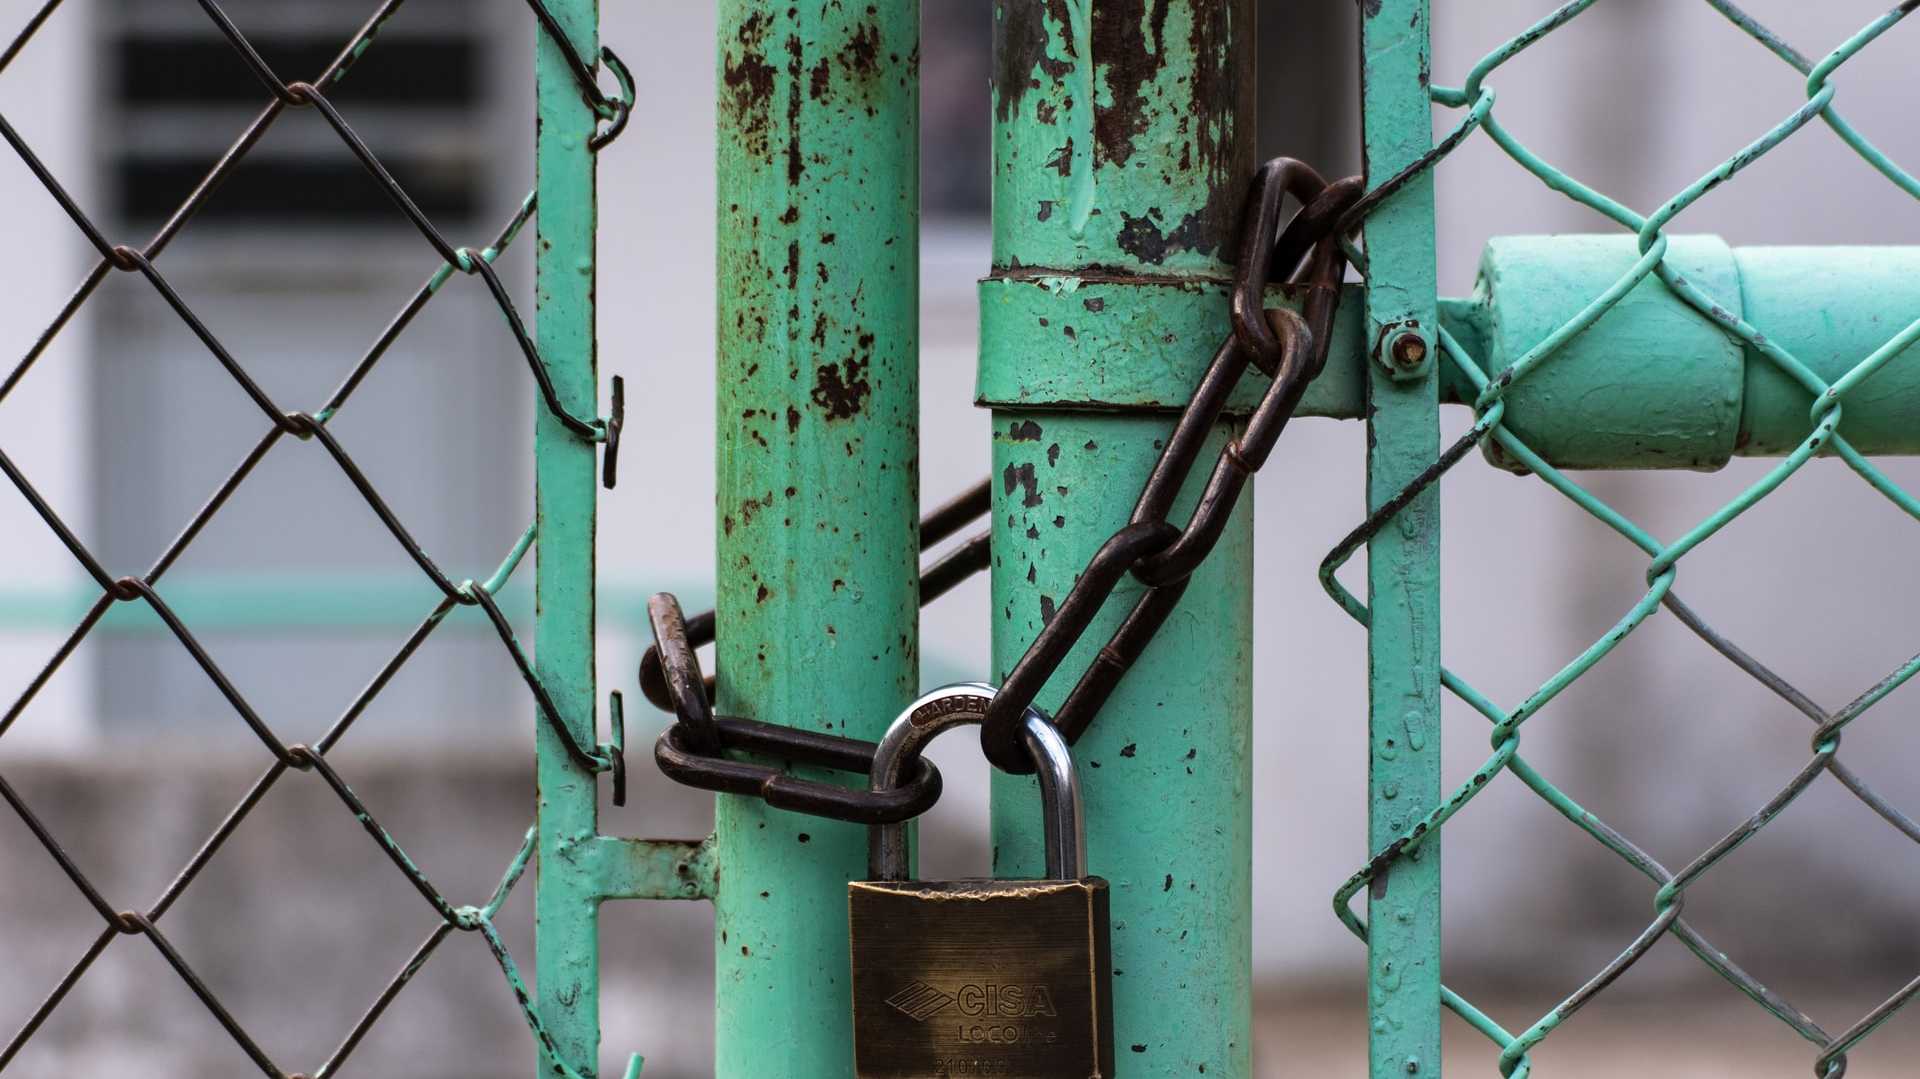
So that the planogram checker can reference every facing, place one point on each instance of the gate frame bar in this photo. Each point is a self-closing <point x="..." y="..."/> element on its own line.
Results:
<point x="1403" y="561"/>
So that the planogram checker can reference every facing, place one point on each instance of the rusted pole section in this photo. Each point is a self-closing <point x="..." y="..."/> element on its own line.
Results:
<point x="1123" y="144"/>
<point x="818" y="283"/>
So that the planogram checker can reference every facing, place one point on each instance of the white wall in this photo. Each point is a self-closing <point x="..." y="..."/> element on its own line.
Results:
<point x="46" y="94"/>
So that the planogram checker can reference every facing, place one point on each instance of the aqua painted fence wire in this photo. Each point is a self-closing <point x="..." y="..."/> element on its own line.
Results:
<point x="1393" y="1008"/>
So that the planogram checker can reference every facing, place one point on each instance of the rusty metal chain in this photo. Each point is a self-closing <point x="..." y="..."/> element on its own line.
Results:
<point x="306" y="427"/>
<point x="693" y="749"/>
<point x="1289" y="348"/>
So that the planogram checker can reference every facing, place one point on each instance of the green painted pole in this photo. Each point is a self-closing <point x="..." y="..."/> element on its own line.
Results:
<point x="818" y="479"/>
<point x="566" y="907"/>
<point x="1403" y="560"/>
<point x="1123" y="144"/>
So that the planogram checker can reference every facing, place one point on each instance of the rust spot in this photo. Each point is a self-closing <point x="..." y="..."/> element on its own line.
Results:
<point x="1220" y="91"/>
<point x="1023" y="477"/>
<point x="862" y="54"/>
<point x="1142" y="238"/>
<point x="1046" y="210"/>
<point x="749" y="81"/>
<point x="793" y="424"/>
<point x="1094" y="303"/>
<point x="761" y="593"/>
<point x="1023" y="431"/>
<point x="1062" y="159"/>
<point x="796" y="165"/>
<point x="1046" y="609"/>
<point x="1020" y="48"/>
<point x="1120" y="33"/>
<point x="1053" y="456"/>
<point x="820" y="80"/>
<point x="841" y="389"/>
<point x="751" y="506"/>
<point x="1129" y="749"/>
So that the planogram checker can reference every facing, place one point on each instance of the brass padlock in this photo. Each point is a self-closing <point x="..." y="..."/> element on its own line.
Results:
<point x="1003" y="978"/>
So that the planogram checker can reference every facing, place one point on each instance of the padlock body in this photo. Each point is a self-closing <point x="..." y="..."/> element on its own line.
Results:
<point x="1003" y="978"/>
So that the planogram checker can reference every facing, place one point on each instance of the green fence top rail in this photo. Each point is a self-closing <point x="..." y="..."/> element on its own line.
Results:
<point x="1653" y="383"/>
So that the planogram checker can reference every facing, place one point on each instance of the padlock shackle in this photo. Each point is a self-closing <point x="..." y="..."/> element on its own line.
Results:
<point x="962" y="704"/>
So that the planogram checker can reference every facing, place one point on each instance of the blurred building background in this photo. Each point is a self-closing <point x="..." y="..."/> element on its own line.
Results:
<point x="126" y="425"/>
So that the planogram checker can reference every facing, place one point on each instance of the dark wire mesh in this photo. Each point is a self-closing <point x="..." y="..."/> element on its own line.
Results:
<point x="305" y="427"/>
<point x="1827" y="402"/>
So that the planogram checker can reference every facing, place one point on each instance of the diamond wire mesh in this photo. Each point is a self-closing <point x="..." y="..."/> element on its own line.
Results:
<point x="303" y="426"/>
<point x="1477" y="99"/>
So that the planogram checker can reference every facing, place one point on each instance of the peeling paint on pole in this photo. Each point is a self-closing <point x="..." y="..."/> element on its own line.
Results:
<point x="818" y="277"/>
<point x="1122" y="150"/>
<point x="1137" y="157"/>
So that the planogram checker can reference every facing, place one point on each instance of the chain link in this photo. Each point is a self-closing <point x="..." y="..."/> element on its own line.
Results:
<point x="306" y="427"/>
<point x="1670" y="887"/>
<point x="1290" y="349"/>
<point x="692" y="750"/>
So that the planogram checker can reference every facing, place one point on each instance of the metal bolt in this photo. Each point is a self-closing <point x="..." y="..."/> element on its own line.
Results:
<point x="1409" y="351"/>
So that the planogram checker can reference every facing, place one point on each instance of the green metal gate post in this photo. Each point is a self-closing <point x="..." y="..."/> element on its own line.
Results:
<point x="1403" y="561"/>
<point x="1123" y="145"/>
<point x="818" y="479"/>
<point x="567" y="964"/>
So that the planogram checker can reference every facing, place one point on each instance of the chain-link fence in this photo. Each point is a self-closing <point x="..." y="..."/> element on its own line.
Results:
<point x="1489" y="390"/>
<point x="284" y="97"/>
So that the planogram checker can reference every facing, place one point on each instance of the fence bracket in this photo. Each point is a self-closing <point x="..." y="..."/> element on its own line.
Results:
<point x="624" y="868"/>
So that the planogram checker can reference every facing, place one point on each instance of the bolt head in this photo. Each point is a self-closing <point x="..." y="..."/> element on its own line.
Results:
<point x="1409" y="351"/>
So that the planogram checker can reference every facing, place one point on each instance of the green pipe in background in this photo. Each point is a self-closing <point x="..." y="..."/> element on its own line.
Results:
<point x="1122" y="148"/>
<point x="818" y="278"/>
